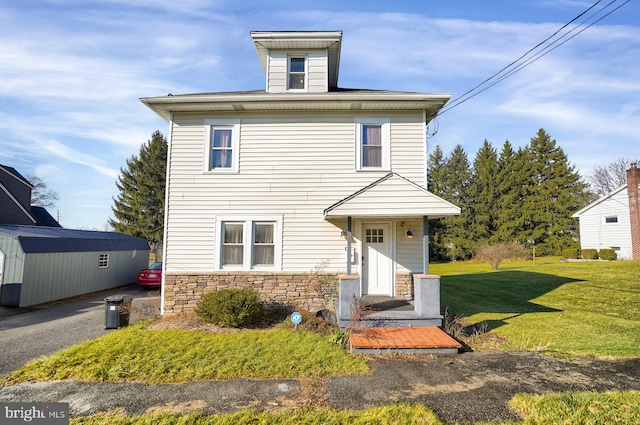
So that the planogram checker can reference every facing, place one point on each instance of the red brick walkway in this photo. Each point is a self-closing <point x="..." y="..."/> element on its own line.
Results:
<point x="402" y="338"/>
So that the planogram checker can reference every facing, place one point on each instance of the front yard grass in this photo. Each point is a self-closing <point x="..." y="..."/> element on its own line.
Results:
<point x="410" y="414"/>
<point x="560" y="408"/>
<point x="135" y="354"/>
<point x="581" y="308"/>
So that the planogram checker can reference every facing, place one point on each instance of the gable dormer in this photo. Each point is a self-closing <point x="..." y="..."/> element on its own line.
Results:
<point x="299" y="61"/>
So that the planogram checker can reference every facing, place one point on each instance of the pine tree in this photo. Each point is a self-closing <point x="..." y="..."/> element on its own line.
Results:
<point x="454" y="190"/>
<point x="139" y="208"/>
<point x="513" y="181"/>
<point x="557" y="191"/>
<point x="436" y="176"/>
<point x="436" y="171"/>
<point x="482" y="196"/>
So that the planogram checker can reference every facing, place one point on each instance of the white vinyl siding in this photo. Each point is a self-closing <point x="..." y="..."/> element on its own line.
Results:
<point x="409" y="251"/>
<point x="291" y="164"/>
<point x="597" y="233"/>
<point x="315" y="69"/>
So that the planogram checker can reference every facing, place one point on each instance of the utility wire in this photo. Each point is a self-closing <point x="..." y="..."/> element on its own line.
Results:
<point x="468" y="95"/>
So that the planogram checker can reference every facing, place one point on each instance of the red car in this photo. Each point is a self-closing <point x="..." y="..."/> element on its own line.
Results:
<point x="151" y="276"/>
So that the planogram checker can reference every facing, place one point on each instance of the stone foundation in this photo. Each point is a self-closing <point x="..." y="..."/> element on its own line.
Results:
<point x="308" y="291"/>
<point x="404" y="286"/>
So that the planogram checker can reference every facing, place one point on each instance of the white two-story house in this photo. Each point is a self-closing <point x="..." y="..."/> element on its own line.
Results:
<point x="285" y="189"/>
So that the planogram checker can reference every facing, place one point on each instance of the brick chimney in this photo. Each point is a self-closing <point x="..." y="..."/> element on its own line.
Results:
<point x="633" y="188"/>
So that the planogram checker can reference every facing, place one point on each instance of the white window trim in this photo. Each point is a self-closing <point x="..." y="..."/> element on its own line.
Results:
<point x="306" y="72"/>
<point x="612" y="216"/>
<point x="103" y="258"/>
<point x="247" y="238"/>
<point x="234" y="125"/>
<point x="386" y="142"/>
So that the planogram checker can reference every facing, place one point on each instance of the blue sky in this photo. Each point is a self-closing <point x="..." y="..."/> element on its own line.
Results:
<point x="72" y="73"/>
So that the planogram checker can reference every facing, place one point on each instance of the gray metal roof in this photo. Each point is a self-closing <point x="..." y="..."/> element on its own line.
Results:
<point x="39" y="239"/>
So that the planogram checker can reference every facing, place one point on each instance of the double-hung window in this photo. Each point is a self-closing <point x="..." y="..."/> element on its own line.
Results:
<point x="373" y="147"/>
<point x="296" y="73"/>
<point x="249" y="243"/>
<point x="222" y="142"/>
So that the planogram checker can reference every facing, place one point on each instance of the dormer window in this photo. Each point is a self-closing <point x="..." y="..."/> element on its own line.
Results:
<point x="297" y="73"/>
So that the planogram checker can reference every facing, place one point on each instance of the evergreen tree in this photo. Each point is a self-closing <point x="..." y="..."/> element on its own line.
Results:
<point x="139" y="208"/>
<point x="436" y="171"/>
<point x="482" y="196"/>
<point x="454" y="190"/>
<point x="436" y="176"/>
<point x="556" y="192"/>
<point x="513" y="181"/>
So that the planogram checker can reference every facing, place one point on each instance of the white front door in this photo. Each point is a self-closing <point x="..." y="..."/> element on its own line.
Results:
<point x="377" y="266"/>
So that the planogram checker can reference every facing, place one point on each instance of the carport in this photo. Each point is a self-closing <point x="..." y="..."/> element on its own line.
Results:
<point x="43" y="264"/>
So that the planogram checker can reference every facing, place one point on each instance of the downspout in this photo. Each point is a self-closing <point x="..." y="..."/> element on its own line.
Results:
<point x="426" y="148"/>
<point x="166" y="217"/>
<point x="349" y="245"/>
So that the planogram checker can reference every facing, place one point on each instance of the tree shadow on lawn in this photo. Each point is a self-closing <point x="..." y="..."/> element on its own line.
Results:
<point x="506" y="292"/>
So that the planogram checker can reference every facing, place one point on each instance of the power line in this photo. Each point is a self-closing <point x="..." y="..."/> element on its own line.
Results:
<point x="546" y="50"/>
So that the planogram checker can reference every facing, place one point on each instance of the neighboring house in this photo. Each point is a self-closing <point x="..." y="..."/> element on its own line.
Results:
<point x="613" y="221"/>
<point x="41" y="264"/>
<point x="15" y="201"/>
<point x="271" y="189"/>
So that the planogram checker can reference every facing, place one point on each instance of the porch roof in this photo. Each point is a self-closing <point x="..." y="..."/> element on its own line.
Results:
<point x="392" y="196"/>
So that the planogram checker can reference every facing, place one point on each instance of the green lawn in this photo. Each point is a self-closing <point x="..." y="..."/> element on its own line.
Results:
<point x="577" y="308"/>
<point x="606" y="408"/>
<point x="173" y="355"/>
<point x="583" y="308"/>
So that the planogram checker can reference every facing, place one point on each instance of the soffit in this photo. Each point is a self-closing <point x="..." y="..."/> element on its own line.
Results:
<point x="377" y="101"/>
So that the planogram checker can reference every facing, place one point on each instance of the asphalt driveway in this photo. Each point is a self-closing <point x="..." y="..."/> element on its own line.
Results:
<point x="26" y="334"/>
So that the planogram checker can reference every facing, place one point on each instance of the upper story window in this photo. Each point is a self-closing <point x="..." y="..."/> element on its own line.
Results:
<point x="611" y="219"/>
<point x="222" y="145"/>
<point x="297" y="73"/>
<point x="373" y="147"/>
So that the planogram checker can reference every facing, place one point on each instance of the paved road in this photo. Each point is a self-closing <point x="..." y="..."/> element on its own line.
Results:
<point x="28" y="334"/>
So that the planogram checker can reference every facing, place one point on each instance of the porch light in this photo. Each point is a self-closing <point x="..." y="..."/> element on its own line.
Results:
<point x="343" y="234"/>
<point x="408" y="233"/>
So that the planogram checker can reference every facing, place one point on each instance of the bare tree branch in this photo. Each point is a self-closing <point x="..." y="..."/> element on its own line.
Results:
<point x="607" y="178"/>
<point x="41" y="195"/>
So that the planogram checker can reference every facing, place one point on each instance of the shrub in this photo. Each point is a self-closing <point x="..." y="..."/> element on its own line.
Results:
<point x="571" y="253"/>
<point x="589" y="254"/>
<point x="231" y="307"/>
<point x="607" y="254"/>
<point x="497" y="253"/>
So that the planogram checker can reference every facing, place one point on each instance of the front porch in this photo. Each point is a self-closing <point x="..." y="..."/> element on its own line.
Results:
<point x="382" y="324"/>
<point x="355" y="310"/>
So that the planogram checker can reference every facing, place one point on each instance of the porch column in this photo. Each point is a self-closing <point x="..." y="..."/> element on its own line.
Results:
<point x="349" y="294"/>
<point x="425" y="244"/>
<point x="349" y="245"/>
<point x="427" y="296"/>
